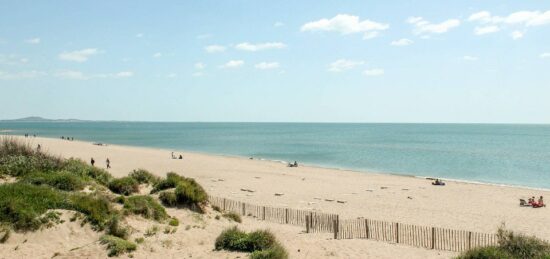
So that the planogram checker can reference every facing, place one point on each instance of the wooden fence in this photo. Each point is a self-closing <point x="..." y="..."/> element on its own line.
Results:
<point x="361" y="228"/>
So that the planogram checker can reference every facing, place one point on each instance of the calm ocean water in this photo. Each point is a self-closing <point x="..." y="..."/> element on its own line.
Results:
<point x="501" y="154"/>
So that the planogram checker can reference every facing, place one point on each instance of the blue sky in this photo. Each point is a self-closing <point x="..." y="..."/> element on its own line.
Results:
<point x="323" y="61"/>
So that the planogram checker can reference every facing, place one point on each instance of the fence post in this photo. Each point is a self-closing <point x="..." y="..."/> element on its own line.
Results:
<point x="469" y="240"/>
<point x="244" y="212"/>
<point x="223" y="204"/>
<point x="307" y="223"/>
<point x="397" y="232"/>
<point x="286" y="216"/>
<point x="367" y="228"/>
<point x="335" y="227"/>
<point x="433" y="237"/>
<point x="263" y="213"/>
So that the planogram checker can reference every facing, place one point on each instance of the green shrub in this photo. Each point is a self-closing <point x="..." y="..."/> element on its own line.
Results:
<point x="114" y="228"/>
<point x="232" y="239"/>
<point x="168" y="198"/>
<point x="125" y="185"/>
<point x="144" y="176"/>
<point x="233" y="216"/>
<point x="189" y="192"/>
<point x="261" y="240"/>
<point x="172" y="179"/>
<point x="116" y="245"/>
<point x="511" y="245"/>
<point x="174" y="222"/>
<point x="98" y="210"/>
<point x="21" y="205"/>
<point x="82" y="169"/>
<point x="274" y="252"/>
<point x="145" y="206"/>
<point x="139" y="240"/>
<point x="18" y="159"/>
<point x="65" y="181"/>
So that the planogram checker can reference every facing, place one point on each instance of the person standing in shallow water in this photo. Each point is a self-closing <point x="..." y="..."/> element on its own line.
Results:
<point x="108" y="163"/>
<point x="92" y="161"/>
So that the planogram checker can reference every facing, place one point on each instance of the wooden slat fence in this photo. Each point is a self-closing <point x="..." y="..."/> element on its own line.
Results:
<point x="419" y="236"/>
<point x="361" y="228"/>
<point x="316" y="221"/>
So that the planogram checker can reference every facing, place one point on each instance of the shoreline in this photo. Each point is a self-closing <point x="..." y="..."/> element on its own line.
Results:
<point x="348" y="170"/>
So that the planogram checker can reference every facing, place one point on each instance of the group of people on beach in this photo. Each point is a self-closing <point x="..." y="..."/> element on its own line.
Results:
<point x="177" y="157"/>
<point x="27" y="135"/>
<point x="67" y="138"/>
<point x="107" y="162"/>
<point x="295" y="164"/>
<point x="536" y="204"/>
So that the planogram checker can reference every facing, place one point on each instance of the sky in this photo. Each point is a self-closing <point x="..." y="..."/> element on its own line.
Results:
<point x="277" y="61"/>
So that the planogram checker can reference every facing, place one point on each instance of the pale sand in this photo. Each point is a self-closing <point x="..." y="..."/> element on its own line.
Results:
<point x="463" y="206"/>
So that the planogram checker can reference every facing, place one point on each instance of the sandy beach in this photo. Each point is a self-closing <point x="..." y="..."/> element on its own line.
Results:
<point x="463" y="206"/>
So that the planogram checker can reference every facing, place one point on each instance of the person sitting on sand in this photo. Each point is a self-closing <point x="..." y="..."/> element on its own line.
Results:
<point x="181" y="157"/>
<point x="539" y="204"/>
<point x="295" y="164"/>
<point x="438" y="182"/>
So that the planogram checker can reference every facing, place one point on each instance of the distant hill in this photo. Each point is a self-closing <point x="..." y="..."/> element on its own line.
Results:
<point x="40" y="119"/>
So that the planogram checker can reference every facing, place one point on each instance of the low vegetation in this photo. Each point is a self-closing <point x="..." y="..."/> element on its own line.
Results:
<point x="116" y="245"/>
<point x="168" y="198"/>
<point x="511" y="245"/>
<point x="145" y="206"/>
<point x="233" y="216"/>
<point x="171" y="180"/>
<point x="62" y="180"/>
<point x="143" y="176"/>
<point x="125" y="185"/>
<point x="260" y="243"/>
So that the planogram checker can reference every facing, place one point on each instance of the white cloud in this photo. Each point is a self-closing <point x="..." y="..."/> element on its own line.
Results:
<point x="520" y="18"/>
<point x="200" y="65"/>
<point x="344" y="64"/>
<point x="373" y="72"/>
<point x="260" y="46"/>
<point x="214" y="48"/>
<point x="345" y="24"/>
<point x="140" y="35"/>
<point x="370" y="35"/>
<point x="470" y="58"/>
<point x="422" y="26"/>
<point x="33" y="41"/>
<point x="545" y="55"/>
<point x="267" y="65"/>
<point x="78" y="75"/>
<point x="516" y="35"/>
<point x="278" y="24"/>
<point x="78" y="55"/>
<point x="157" y="55"/>
<point x="21" y="75"/>
<point x="486" y="29"/>
<point x="402" y="42"/>
<point x="12" y="59"/>
<point x="233" y="64"/>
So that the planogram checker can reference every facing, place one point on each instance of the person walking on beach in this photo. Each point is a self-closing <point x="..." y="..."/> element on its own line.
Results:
<point x="38" y="148"/>
<point x="108" y="163"/>
<point x="92" y="161"/>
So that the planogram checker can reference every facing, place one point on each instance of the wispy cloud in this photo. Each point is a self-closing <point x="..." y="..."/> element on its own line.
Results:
<point x="346" y="24"/>
<point x="422" y="26"/>
<point x="21" y="75"/>
<point x="140" y="35"/>
<point x="520" y="18"/>
<point x="214" y="48"/>
<point x="267" y="65"/>
<point x="12" y="59"/>
<point x="78" y="55"/>
<point x="344" y="64"/>
<point x="373" y="72"/>
<point x="233" y="64"/>
<point x="486" y="29"/>
<point x="545" y="55"/>
<point x="200" y="65"/>
<point x="278" y="24"/>
<point x="157" y="55"/>
<point x="401" y="42"/>
<point x="33" y="41"/>
<point x="470" y="58"/>
<point x="78" y="75"/>
<point x="516" y="35"/>
<point x="260" y="46"/>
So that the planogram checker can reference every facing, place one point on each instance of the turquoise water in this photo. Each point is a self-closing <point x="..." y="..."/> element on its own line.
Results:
<point x="501" y="154"/>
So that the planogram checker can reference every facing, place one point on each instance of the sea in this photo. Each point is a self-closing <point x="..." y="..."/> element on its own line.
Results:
<point x="503" y="154"/>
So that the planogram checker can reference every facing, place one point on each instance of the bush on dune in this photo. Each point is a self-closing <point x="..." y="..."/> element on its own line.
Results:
<point x="116" y="245"/>
<point x="65" y="181"/>
<point x="18" y="159"/>
<point x="143" y="176"/>
<point x="511" y="245"/>
<point x="261" y="243"/>
<point x="125" y="185"/>
<point x="171" y="180"/>
<point x="145" y="206"/>
<point x="189" y="192"/>
<point x="168" y="198"/>
<point x="82" y="169"/>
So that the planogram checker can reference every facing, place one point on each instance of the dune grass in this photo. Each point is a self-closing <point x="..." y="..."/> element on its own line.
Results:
<point x="145" y="206"/>
<point x="143" y="176"/>
<point x="116" y="245"/>
<point x="171" y="180"/>
<point x="261" y="243"/>
<point x="125" y="185"/>
<point x="233" y="216"/>
<point x="187" y="191"/>
<point x="168" y="198"/>
<point x="62" y="180"/>
<point x="511" y="245"/>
